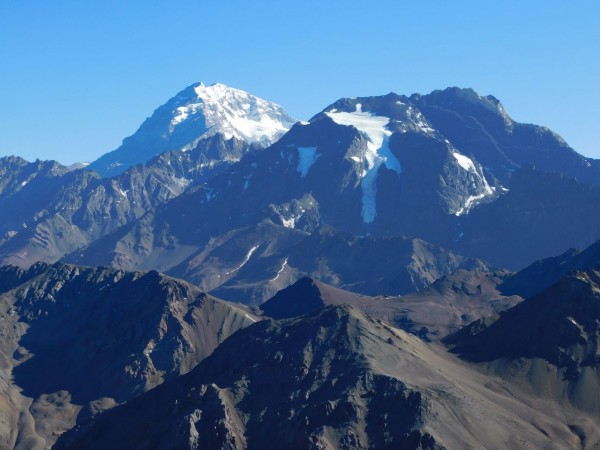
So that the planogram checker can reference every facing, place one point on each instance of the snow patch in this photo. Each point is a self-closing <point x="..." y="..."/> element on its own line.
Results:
<point x="469" y="203"/>
<point x="280" y="270"/>
<point x="291" y="221"/>
<point x="246" y="259"/>
<point x="467" y="164"/>
<point x="418" y="120"/>
<point x="182" y="182"/>
<point x="306" y="158"/>
<point x="377" y="154"/>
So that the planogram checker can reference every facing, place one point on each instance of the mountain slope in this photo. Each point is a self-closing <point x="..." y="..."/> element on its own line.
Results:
<point x="480" y="126"/>
<point x="332" y="379"/>
<point x="543" y="273"/>
<point x="25" y="190"/>
<point x="542" y="215"/>
<point x="99" y="337"/>
<point x="307" y="296"/>
<point x="55" y="211"/>
<point x="251" y="264"/>
<point x="549" y="341"/>
<point x="196" y="113"/>
<point x="450" y="303"/>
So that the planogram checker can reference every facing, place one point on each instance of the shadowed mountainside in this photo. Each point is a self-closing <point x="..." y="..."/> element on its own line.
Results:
<point x="549" y="342"/>
<point x="99" y="337"/>
<point x="332" y="379"/>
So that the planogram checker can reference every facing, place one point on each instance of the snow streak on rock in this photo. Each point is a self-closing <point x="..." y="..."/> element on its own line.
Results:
<point x="306" y="158"/>
<point x="484" y="188"/>
<point x="246" y="259"/>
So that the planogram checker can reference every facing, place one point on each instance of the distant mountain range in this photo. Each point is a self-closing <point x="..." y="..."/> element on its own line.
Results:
<point x="449" y="168"/>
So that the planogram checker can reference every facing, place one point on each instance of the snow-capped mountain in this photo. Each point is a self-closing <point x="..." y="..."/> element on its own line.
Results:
<point x="377" y="125"/>
<point x="370" y="166"/>
<point x="197" y="113"/>
<point x="433" y="168"/>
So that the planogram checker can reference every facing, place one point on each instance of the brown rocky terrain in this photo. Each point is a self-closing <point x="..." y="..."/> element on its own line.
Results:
<point x="446" y="306"/>
<point x="548" y="344"/>
<point x="76" y="340"/>
<point x="335" y="379"/>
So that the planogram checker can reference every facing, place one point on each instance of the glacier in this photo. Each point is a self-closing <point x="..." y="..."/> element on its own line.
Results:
<point x="373" y="127"/>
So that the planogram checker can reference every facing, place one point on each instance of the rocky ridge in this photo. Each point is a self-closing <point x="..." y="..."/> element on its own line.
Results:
<point x="446" y="306"/>
<point x="331" y="379"/>
<point x="100" y="337"/>
<point x="549" y="342"/>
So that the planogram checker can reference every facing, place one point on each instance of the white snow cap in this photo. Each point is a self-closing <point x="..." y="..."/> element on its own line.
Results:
<point x="233" y="113"/>
<point x="196" y="113"/>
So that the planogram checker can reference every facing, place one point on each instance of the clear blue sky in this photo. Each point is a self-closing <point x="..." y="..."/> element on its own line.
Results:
<point x="79" y="76"/>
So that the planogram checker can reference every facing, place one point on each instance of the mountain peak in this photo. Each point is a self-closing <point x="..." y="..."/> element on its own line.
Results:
<point x="235" y="114"/>
<point x="196" y="113"/>
<point x="464" y="99"/>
